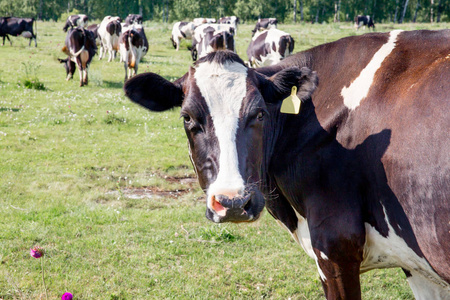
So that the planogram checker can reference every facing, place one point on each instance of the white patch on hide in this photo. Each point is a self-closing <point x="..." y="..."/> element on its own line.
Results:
<point x="224" y="88"/>
<point x="359" y="88"/>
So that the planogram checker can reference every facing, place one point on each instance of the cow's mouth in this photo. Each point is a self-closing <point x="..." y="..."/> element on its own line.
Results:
<point x="246" y="208"/>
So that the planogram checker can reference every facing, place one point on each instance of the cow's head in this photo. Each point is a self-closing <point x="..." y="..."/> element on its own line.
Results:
<point x="224" y="108"/>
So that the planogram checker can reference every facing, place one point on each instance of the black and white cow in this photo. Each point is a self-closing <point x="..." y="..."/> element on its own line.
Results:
<point x="133" y="19"/>
<point x="364" y="21"/>
<point x="17" y="26"/>
<point x="75" y="21"/>
<point x="233" y="20"/>
<point x="360" y="176"/>
<point x="264" y="24"/>
<point x="133" y="45"/>
<point x="109" y="32"/>
<point x="269" y="47"/>
<point x="181" y="30"/>
<point x="212" y="37"/>
<point x="80" y="47"/>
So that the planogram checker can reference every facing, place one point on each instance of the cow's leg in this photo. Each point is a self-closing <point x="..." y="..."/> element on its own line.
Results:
<point x="125" y="65"/>
<point x="338" y="245"/>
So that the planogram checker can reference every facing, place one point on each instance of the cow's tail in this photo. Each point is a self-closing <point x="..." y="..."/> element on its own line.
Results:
<point x="132" y="64"/>
<point x="76" y="54"/>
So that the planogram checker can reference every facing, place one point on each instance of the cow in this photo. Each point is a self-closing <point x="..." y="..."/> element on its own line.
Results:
<point x="359" y="173"/>
<point x="233" y="20"/>
<point x="133" y="19"/>
<point x="75" y="21"/>
<point x="94" y="29"/>
<point x="181" y="30"/>
<point x="17" y="26"/>
<point x="109" y="32"/>
<point x="200" y="21"/>
<point x="80" y="48"/>
<point x="364" y="21"/>
<point x="212" y="37"/>
<point x="133" y="46"/>
<point x="269" y="47"/>
<point x="264" y="24"/>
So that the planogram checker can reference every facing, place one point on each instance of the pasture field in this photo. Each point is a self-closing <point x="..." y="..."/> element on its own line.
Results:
<point x="107" y="189"/>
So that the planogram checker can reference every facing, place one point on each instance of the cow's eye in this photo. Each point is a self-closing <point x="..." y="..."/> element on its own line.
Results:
<point x="187" y="119"/>
<point x="260" y="116"/>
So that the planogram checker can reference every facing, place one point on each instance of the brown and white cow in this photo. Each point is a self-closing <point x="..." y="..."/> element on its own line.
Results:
<point x="364" y="21"/>
<point x="181" y="30"/>
<point x="264" y="24"/>
<point x="80" y="48"/>
<point x="109" y="32"/>
<point x="94" y="29"/>
<point x="133" y="19"/>
<point x="75" y="21"/>
<point x="17" y="26"/>
<point x="212" y="37"/>
<point x="360" y="176"/>
<point x="269" y="47"/>
<point x="133" y="46"/>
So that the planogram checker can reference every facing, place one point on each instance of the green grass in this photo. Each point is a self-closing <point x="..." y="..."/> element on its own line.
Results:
<point x="75" y="163"/>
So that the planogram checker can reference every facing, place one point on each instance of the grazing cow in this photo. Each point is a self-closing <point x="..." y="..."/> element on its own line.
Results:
<point x="133" y="46"/>
<point x="109" y="32"/>
<point x="212" y="37"/>
<point x="80" y="47"/>
<point x="200" y="21"/>
<point x="360" y="176"/>
<point x="264" y="24"/>
<point x="15" y="27"/>
<point x="94" y="29"/>
<point x="133" y="19"/>
<point x="364" y="21"/>
<point x="269" y="47"/>
<point x="181" y="30"/>
<point x="233" y="20"/>
<point x="75" y="21"/>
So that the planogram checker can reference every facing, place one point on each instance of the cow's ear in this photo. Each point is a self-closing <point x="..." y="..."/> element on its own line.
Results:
<point x="154" y="92"/>
<point x="279" y="86"/>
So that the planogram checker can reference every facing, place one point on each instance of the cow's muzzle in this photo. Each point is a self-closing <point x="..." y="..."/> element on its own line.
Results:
<point x="245" y="208"/>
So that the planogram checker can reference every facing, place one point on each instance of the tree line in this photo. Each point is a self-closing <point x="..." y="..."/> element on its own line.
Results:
<point x="287" y="11"/>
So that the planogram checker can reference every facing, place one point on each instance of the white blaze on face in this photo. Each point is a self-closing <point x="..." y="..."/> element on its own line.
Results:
<point x="224" y="88"/>
<point x="359" y="88"/>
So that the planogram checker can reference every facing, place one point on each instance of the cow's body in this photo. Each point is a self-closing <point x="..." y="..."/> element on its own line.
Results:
<point x="15" y="27"/>
<point x="133" y="46"/>
<point x="80" y="48"/>
<point x="76" y="21"/>
<point x="233" y="21"/>
<point x="200" y="21"/>
<point x="269" y="47"/>
<point x="264" y="24"/>
<point x="360" y="177"/>
<point x="109" y="32"/>
<point x="181" y="30"/>
<point x="133" y="19"/>
<point x="212" y="37"/>
<point x="364" y="21"/>
<point x="94" y="29"/>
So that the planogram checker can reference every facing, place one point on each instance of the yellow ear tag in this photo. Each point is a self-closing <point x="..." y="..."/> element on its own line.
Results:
<point x="291" y="105"/>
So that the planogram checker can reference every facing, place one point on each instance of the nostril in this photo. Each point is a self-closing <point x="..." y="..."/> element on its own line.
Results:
<point x="248" y="205"/>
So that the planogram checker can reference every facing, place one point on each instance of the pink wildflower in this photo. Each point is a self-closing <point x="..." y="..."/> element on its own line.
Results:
<point x="67" y="296"/>
<point x="37" y="252"/>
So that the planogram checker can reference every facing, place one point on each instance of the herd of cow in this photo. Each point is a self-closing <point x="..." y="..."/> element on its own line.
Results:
<point x="267" y="47"/>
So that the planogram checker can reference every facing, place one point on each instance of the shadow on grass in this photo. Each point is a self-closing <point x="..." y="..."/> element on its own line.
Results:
<point x="9" y="109"/>
<point x="112" y="84"/>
